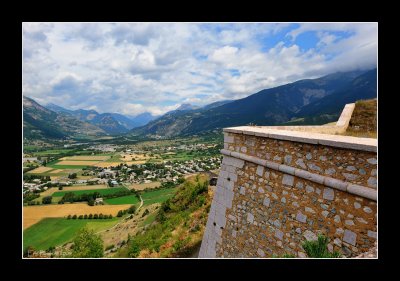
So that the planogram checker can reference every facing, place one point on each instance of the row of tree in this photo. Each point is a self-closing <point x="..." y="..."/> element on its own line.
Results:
<point x="90" y="216"/>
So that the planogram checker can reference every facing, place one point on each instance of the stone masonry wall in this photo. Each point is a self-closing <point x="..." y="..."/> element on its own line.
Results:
<point x="263" y="212"/>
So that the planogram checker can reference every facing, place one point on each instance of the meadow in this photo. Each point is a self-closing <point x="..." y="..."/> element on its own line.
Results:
<point x="130" y="199"/>
<point x="157" y="196"/>
<point x="51" y="232"/>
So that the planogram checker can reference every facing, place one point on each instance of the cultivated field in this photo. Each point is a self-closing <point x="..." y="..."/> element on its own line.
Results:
<point x="57" y="231"/>
<point x="134" y="157"/>
<point x="78" y="163"/>
<point x="157" y="196"/>
<point x="40" y="170"/>
<point x="33" y="214"/>
<point x="107" y="164"/>
<point x="130" y="199"/>
<point x="142" y="186"/>
<point x="57" y="171"/>
<point x="85" y="187"/>
<point x="87" y="158"/>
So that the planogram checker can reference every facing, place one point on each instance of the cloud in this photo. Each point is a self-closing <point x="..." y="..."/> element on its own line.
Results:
<point x="132" y="68"/>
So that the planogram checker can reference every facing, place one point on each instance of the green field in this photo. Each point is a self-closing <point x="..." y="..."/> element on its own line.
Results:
<point x="157" y="196"/>
<point x="101" y="191"/>
<point x="57" y="231"/>
<point x="130" y="199"/>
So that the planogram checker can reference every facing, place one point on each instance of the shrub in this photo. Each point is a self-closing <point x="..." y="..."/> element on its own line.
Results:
<point x="96" y="216"/>
<point x="74" y="217"/>
<point x="90" y="216"/>
<point x="120" y="214"/>
<point x="145" y="213"/>
<point x="319" y="249"/>
<point x="46" y="200"/>
<point x="85" y="216"/>
<point x="60" y="188"/>
<point x="100" y="216"/>
<point x="91" y="202"/>
<point x="132" y="209"/>
<point x="80" y="217"/>
<point x="69" y="217"/>
<point x="110" y="216"/>
<point x="109" y="247"/>
<point x="87" y="245"/>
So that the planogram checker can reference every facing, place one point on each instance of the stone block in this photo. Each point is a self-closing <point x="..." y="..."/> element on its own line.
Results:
<point x="309" y="235"/>
<point x="362" y="191"/>
<point x="250" y="217"/>
<point x="260" y="170"/>
<point x="287" y="180"/>
<point x="301" y="218"/>
<point x="286" y="169"/>
<point x="372" y="234"/>
<point x="300" y="163"/>
<point x="266" y="201"/>
<point x="349" y="237"/>
<point x="260" y="252"/>
<point x="336" y="184"/>
<point x="372" y="182"/>
<point x="228" y="138"/>
<point x="328" y="194"/>
<point x="278" y="234"/>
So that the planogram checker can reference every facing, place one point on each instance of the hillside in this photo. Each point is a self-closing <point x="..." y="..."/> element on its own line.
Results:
<point x="40" y="122"/>
<point x="179" y="224"/>
<point x="363" y="122"/>
<point x="271" y="106"/>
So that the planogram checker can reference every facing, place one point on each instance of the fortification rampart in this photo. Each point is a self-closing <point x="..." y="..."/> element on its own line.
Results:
<point x="278" y="188"/>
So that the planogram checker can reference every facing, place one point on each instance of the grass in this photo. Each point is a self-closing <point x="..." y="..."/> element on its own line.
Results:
<point x="130" y="199"/>
<point x="57" y="231"/>
<point x="101" y="191"/>
<point x="363" y="122"/>
<point x="157" y="196"/>
<point x="149" y="219"/>
<point x="55" y="166"/>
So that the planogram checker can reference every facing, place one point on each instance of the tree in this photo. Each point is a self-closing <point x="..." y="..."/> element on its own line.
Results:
<point x="46" y="200"/>
<point x="132" y="209"/>
<point x="87" y="245"/>
<point x="80" y="217"/>
<point x="110" y="216"/>
<point x="69" y="217"/>
<point x="100" y="216"/>
<point x="60" y="188"/>
<point x="90" y="216"/>
<point x="120" y="214"/>
<point x="96" y="216"/>
<point x="72" y="176"/>
<point x="91" y="202"/>
<point x="85" y="216"/>
<point x="74" y="217"/>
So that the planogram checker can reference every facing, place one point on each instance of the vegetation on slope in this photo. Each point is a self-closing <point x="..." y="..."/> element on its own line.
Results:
<point x="179" y="224"/>
<point x="363" y="122"/>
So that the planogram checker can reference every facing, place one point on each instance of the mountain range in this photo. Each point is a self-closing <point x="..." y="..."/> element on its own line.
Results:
<point x="111" y="123"/>
<point x="305" y="102"/>
<point x="308" y="101"/>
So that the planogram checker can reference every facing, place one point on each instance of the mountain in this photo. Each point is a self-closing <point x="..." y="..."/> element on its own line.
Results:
<point x="187" y="106"/>
<point x="268" y="107"/>
<point x="216" y="104"/>
<point x="111" y="123"/>
<point x="41" y="122"/>
<point x="142" y="119"/>
<point x="329" y="108"/>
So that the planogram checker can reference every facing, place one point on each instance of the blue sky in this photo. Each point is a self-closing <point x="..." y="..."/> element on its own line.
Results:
<point x="131" y="68"/>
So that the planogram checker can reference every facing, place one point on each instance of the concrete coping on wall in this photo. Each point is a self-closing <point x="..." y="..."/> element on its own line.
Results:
<point x="356" y="143"/>
<point x="355" y="189"/>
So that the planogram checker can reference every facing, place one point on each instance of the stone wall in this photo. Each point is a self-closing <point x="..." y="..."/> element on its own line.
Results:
<point x="278" y="188"/>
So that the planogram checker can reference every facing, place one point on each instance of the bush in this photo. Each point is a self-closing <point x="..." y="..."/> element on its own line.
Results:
<point x="69" y="217"/>
<point x="109" y="247"/>
<point x="132" y="209"/>
<point x="145" y="213"/>
<point x="85" y="216"/>
<point x="74" y="217"/>
<point x="120" y="214"/>
<point x="96" y="216"/>
<point x="100" y="216"/>
<point x="110" y="216"/>
<point x="87" y="245"/>
<point x="90" y="216"/>
<point x="60" y="188"/>
<point x="80" y="217"/>
<point x="46" y="200"/>
<point x="91" y="202"/>
<point x="318" y="248"/>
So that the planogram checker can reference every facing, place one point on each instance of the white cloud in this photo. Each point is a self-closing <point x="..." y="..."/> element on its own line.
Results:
<point x="136" y="67"/>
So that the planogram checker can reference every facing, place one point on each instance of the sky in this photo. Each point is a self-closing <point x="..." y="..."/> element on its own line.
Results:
<point x="132" y="68"/>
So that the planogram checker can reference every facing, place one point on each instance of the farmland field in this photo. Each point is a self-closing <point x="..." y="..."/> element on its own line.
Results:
<point x="130" y="199"/>
<point x="107" y="164"/>
<point x="86" y="158"/>
<point x="103" y="191"/>
<point x="157" y="196"/>
<point x="79" y="163"/>
<point x="40" y="170"/>
<point x="57" y="231"/>
<point x="33" y="214"/>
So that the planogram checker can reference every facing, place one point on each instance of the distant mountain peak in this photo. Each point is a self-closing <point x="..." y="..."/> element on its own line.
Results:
<point x="187" y="106"/>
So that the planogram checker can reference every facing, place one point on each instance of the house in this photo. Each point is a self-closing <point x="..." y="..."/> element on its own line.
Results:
<point x="93" y="180"/>
<point x="81" y="181"/>
<point x="98" y="201"/>
<point x="114" y="182"/>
